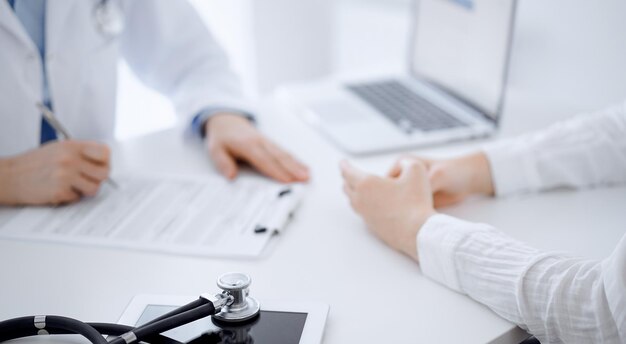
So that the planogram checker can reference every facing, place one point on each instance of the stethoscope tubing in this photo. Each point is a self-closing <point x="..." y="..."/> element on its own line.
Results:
<point x="149" y="332"/>
<point x="145" y="331"/>
<point x="104" y="329"/>
<point x="191" y="305"/>
<point x="25" y="326"/>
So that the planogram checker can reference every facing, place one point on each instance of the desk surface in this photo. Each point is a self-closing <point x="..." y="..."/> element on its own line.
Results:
<point x="325" y="255"/>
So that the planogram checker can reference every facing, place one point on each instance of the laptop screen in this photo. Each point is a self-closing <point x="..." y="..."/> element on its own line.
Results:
<point x="463" y="47"/>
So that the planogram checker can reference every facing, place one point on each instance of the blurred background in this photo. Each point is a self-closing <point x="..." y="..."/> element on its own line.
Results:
<point x="562" y="50"/>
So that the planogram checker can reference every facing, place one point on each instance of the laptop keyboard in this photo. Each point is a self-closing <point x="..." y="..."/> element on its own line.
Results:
<point x="403" y="107"/>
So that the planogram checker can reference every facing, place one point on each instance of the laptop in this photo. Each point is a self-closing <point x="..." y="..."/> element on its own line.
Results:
<point x="458" y="61"/>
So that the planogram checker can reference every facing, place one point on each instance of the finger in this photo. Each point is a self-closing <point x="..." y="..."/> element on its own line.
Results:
<point x="85" y="186"/>
<point x="96" y="152"/>
<point x="351" y="196"/>
<point x="437" y="177"/>
<point x="442" y="200"/>
<point x="67" y="196"/>
<point x="396" y="169"/>
<point x="263" y="161"/>
<point x="298" y="171"/>
<point x="413" y="170"/>
<point x="348" y="191"/>
<point x="351" y="174"/>
<point x="94" y="172"/>
<point x="224" y="162"/>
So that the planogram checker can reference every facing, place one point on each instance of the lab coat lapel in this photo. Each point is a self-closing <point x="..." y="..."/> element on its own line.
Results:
<point x="63" y="73"/>
<point x="57" y="12"/>
<point x="10" y="23"/>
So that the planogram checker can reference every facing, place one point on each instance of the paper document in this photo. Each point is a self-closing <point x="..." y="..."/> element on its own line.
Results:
<point x="194" y="216"/>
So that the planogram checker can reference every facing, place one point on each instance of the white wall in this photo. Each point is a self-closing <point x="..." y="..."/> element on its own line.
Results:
<point x="564" y="51"/>
<point x="371" y="36"/>
<point x="272" y="41"/>
<point x="269" y="42"/>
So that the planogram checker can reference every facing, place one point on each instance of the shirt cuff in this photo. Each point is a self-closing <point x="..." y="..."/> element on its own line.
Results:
<point x="437" y="243"/>
<point x="199" y="120"/>
<point x="512" y="168"/>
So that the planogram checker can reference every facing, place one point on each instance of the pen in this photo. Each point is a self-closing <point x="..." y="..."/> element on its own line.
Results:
<point x="54" y="122"/>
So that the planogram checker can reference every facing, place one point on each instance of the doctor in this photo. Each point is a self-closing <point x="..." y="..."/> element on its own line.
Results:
<point x="65" y="53"/>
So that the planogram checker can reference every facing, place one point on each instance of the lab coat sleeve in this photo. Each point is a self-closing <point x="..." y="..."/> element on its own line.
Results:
<point x="170" y="49"/>
<point x="557" y="298"/>
<point x="588" y="150"/>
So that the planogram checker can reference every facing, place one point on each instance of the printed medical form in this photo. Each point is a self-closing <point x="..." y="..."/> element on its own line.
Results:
<point x="191" y="216"/>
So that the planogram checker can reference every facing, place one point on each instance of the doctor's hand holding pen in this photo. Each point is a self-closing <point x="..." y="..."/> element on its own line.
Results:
<point x="55" y="173"/>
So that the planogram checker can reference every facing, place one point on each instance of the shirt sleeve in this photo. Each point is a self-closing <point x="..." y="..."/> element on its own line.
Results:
<point x="557" y="298"/>
<point x="198" y="121"/>
<point x="170" y="49"/>
<point x="588" y="150"/>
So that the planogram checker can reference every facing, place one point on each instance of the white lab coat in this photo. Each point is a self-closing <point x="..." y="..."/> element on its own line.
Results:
<point x="164" y="41"/>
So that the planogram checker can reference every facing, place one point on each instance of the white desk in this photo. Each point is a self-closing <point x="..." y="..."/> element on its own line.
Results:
<point x="326" y="255"/>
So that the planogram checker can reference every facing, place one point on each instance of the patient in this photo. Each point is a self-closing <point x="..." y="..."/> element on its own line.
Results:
<point x="555" y="297"/>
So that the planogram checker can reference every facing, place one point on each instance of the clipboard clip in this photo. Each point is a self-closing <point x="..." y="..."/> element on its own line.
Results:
<point x="273" y="223"/>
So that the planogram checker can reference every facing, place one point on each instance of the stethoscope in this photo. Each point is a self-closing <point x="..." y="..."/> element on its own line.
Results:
<point x="231" y="308"/>
<point x="109" y="18"/>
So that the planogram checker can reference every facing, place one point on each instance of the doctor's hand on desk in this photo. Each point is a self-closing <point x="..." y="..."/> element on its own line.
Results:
<point x="394" y="207"/>
<point x="56" y="173"/>
<point x="232" y="138"/>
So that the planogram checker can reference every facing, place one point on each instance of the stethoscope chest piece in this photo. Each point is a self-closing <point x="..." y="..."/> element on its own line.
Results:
<point x="243" y="306"/>
<point x="109" y="18"/>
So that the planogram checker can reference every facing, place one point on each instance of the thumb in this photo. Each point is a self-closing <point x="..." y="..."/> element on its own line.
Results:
<point x="96" y="151"/>
<point x="413" y="170"/>
<point x="351" y="175"/>
<point x="225" y="163"/>
<point x="396" y="169"/>
<point x="412" y="167"/>
<point x="436" y="176"/>
<point x="414" y="177"/>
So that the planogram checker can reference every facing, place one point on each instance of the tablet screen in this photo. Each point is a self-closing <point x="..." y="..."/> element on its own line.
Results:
<point x="268" y="327"/>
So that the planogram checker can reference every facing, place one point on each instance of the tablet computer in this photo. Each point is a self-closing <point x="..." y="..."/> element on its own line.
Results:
<point x="278" y="322"/>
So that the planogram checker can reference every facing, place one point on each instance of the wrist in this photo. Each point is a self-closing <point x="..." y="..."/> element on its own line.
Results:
<point x="479" y="176"/>
<point x="7" y="192"/>
<point x="223" y="116"/>
<point x="410" y="244"/>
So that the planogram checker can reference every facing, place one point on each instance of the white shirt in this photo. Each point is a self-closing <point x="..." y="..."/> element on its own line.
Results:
<point x="557" y="298"/>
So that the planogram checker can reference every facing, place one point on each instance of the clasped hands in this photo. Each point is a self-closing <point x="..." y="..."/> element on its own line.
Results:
<point x="396" y="206"/>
